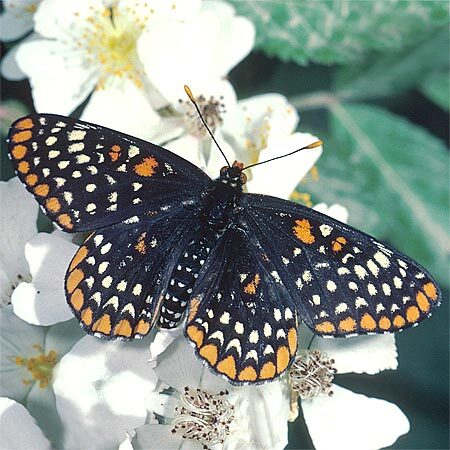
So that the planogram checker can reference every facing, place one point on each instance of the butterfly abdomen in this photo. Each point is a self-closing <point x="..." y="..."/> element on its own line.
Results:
<point x="183" y="279"/>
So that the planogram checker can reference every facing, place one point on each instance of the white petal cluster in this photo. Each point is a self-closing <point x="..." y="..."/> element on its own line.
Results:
<point x="123" y="64"/>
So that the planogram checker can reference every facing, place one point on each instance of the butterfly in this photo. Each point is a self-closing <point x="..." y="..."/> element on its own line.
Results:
<point x="171" y="244"/>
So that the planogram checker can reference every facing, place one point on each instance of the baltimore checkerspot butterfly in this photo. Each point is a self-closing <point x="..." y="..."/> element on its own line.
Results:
<point x="172" y="244"/>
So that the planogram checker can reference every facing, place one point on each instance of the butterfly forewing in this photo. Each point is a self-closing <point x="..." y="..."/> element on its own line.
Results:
<point x="87" y="177"/>
<point x="344" y="281"/>
<point x="241" y="321"/>
<point x="116" y="280"/>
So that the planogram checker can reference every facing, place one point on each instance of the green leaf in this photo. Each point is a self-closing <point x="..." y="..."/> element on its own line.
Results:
<point x="392" y="176"/>
<point x="339" y="31"/>
<point x="393" y="73"/>
<point x="436" y="88"/>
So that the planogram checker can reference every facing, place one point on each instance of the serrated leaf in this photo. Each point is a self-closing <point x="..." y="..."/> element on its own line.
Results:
<point x="393" y="73"/>
<point x="339" y="31"/>
<point x="437" y="88"/>
<point x="392" y="176"/>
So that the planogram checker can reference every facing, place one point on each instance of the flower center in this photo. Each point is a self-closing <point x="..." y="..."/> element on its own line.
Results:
<point x="203" y="417"/>
<point x="41" y="366"/>
<point x="109" y="40"/>
<point x="212" y="111"/>
<point x="311" y="374"/>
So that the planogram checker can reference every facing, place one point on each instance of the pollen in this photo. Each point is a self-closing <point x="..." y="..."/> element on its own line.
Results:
<point x="40" y="366"/>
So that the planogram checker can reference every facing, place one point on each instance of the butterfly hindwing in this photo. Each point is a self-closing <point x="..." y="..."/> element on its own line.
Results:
<point x="344" y="281"/>
<point x="116" y="280"/>
<point x="86" y="177"/>
<point x="241" y="322"/>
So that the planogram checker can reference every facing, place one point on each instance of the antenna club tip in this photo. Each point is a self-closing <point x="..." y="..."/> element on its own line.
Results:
<point x="315" y="144"/>
<point x="189" y="93"/>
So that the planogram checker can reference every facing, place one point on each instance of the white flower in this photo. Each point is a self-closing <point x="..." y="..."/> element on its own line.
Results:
<point x="256" y="129"/>
<point x="88" y="45"/>
<point x="198" y="52"/>
<point x="18" y="429"/>
<point x="336" y="211"/>
<point x="28" y="359"/>
<point x="335" y="416"/>
<point x="204" y="409"/>
<point x="17" y="18"/>
<point x="100" y="388"/>
<point x="42" y="300"/>
<point x="17" y="226"/>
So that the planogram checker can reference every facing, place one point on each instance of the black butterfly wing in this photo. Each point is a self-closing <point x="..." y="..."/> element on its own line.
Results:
<point x="241" y="321"/>
<point x="344" y="282"/>
<point x="116" y="280"/>
<point x="86" y="177"/>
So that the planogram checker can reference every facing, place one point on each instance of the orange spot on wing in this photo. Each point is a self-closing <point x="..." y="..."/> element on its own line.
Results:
<point x="193" y="308"/>
<point x="42" y="190"/>
<point x="399" y="321"/>
<point x="65" y="221"/>
<point x="282" y="358"/>
<point x="103" y="325"/>
<point x="79" y="256"/>
<point x="338" y="244"/>
<point x="19" y="151"/>
<point x="292" y="341"/>
<point x="142" y="327"/>
<point x="53" y="205"/>
<point x="251" y="287"/>
<point x="77" y="299"/>
<point x="268" y="370"/>
<point x="412" y="314"/>
<point x="140" y="246"/>
<point x="146" y="168"/>
<point x="423" y="302"/>
<point x="21" y="136"/>
<point x="325" y="327"/>
<point x="431" y="291"/>
<point x="384" y="323"/>
<point x="228" y="367"/>
<point x="86" y="316"/>
<point x="367" y="322"/>
<point x="114" y="153"/>
<point x="248" y="374"/>
<point x="302" y="231"/>
<point x="31" y="179"/>
<point x="123" y="328"/>
<point x="209" y="352"/>
<point x="195" y="335"/>
<point x="23" y="167"/>
<point x="347" y="325"/>
<point x="74" y="279"/>
<point x="24" y="124"/>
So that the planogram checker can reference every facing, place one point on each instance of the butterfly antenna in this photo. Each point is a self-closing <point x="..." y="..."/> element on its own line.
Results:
<point x="313" y="145"/>
<point x="192" y="99"/>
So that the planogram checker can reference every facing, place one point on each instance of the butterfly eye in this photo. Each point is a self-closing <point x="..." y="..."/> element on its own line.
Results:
<point x="223" y="171"/>
<point x="243" y="178"/>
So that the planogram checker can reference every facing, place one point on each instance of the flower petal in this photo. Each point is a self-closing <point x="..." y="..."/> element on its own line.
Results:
<point x="360" y="354"/>
<point x="17" y="339"/>
<point x="100" y="388"/>
<point x="18" y="429"/>
<point x="66" y="81"/>
<point x="9" y="68"/>
<point x="157" y="437"/>
<point x="262" y="412"/>
<point x="16" y="19"/>
<point x="353" y="421"/>
<point x="336" y="211"/>
<point x="163" y="338"/>
<point x="230" y="39"/>
<point x="290" y="171"/>
<point x="122" y="106"/>
<point x="43" y="302"/>
<point x="18" y="225"/>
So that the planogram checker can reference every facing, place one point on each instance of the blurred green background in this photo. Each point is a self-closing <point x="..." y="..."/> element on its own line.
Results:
<point x="371" y="79"/>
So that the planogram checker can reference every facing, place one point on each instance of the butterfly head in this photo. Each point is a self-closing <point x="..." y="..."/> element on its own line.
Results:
<point x="233" y="175"/>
